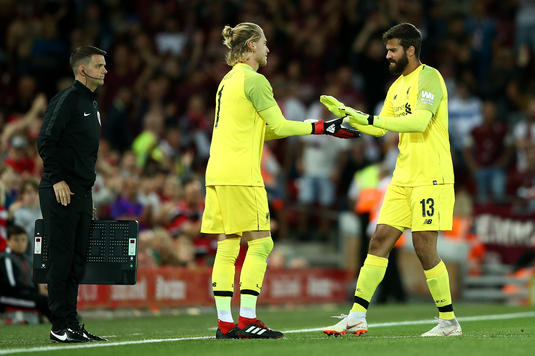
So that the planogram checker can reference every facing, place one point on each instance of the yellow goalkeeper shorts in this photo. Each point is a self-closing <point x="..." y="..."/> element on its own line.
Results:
<point x="425" y="208"/>
<point x="235" y="209"/>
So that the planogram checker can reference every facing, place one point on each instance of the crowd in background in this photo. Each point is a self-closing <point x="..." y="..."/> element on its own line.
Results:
<point x="166" y="59"/>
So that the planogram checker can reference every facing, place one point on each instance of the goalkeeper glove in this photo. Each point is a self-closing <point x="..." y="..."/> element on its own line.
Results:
<point x="333" y="104"/>
<point x="359" y="116"/>
<point x="333" y="128"/>
<point x="339" y="109"/>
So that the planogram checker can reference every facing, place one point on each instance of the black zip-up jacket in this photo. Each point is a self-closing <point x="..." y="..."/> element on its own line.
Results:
<point x="16" y="275"/>
<point x="69" y="138"/>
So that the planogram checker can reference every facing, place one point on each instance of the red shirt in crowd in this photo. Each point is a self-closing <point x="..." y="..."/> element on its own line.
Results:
<point x="489" y="143"/>
<point x="25" y="164"/>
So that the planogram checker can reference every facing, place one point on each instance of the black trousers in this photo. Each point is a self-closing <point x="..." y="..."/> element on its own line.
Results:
<point x="67" y="231"/>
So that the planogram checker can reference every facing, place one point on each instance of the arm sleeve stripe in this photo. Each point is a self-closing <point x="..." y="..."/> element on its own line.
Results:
<point x="56" y="110"/>
<point x="9" y="272"/>
<point x="18" y="302"/>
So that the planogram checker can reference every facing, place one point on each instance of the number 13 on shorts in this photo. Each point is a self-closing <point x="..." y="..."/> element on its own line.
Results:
<point x="424" y="208"/>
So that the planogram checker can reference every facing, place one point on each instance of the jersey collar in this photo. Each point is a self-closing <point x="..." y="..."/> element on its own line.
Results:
<point x="419" y="68"/>
<point x="85" y="90"/>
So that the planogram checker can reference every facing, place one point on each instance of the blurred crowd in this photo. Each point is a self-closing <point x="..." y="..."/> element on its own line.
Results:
<point x="166" y="58"/>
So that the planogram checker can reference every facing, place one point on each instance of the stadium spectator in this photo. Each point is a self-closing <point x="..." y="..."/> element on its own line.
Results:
<point x="524" y="183"/>
<point x="481" y="28"/>
<point x="116" y="127"/>
<point x="524" y="135"/>
<point x="318" y="182"/>
<point x="145" y="145"/>
<point x="185" y="218"/>
<point x="17" y="289"/>
<point x="464" y="114"/>
<point x="128" y="165"/>
<point x="18" y="156"/>
<point x="10" y="180"/>
<point x="26" y="210"/>
<point x="487" y="152"/>
<point x="127" y="206"/>
<point x="3" y="218"/>
<point x="148" y="197"/>
<point x="525" y="24"/>
<point x="271" y="172"/>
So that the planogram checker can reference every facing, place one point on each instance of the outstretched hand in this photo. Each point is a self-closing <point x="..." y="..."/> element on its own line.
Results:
<point x="333" y="105"/>
<point x="359" y="116"/>
<point x="339" y="109"/>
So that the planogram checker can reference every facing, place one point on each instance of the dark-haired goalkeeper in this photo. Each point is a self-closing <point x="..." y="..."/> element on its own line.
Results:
<point x="420" y="196"/>
<point x="246" y="114"/>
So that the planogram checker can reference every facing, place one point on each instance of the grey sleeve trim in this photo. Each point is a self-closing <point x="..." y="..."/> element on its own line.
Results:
<point x="57" y="109"/>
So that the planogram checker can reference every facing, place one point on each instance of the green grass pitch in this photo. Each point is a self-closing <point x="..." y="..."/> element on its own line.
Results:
<point x="488" y="329"/>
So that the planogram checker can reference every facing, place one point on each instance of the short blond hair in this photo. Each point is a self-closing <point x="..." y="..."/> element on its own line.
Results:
<point x="237" y="39"/>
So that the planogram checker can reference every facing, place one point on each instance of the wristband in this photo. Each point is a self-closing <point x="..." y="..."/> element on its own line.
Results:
<point x="318" y="127"/>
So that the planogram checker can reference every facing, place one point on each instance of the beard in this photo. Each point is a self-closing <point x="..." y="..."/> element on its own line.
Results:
<point x="262" y="61"/>
<point x="399" y="66"/>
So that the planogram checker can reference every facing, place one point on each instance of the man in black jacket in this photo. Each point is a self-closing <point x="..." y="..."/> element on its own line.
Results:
<point x="68" y="144"/>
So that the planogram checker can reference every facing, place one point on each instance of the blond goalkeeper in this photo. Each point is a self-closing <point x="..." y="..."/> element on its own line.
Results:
<point x="246" y="114"/>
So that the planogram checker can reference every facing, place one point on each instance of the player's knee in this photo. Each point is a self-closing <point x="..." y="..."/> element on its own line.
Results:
<point x="262" y="246"/>
<point x="228" y="249"/>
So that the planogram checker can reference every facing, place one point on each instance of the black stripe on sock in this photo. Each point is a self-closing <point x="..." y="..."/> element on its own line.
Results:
<point x="363" y="302"/>
<point x="446" y="308"/>
<point x="221" y="293"/>
<point x="249" y="291"/>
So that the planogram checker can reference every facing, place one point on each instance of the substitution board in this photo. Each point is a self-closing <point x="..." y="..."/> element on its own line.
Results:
<point x="111" y="252"/>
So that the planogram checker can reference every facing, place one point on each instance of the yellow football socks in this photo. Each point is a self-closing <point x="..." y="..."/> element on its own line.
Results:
<point x="254" y="266"/>
<point x="438" y="281"/>
<point x="223" y="271"/>
<point x="371" y="274"/>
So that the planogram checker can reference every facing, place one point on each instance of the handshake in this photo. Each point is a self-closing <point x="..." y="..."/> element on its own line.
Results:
<point x="334" y="127"/>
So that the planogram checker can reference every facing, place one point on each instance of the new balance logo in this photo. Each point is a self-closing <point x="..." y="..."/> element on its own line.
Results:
<point x="428" y="221"/>
<point x="331" y="128"/>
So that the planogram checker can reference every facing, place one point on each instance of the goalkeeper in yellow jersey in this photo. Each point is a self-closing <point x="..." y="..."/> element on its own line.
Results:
<point x="420" y="196"/>
<point x="246" y="115"/>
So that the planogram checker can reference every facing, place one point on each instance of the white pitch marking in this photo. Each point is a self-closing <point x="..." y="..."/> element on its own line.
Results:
<point x="150" y="341"/>
<point x="418" y="322"/>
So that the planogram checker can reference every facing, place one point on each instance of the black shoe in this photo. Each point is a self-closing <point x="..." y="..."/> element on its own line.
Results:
<point x="232" y="334"/>
<point x="91" y="336"/>
<point x="258" y="330"/>
<point x="67" y="335"/>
